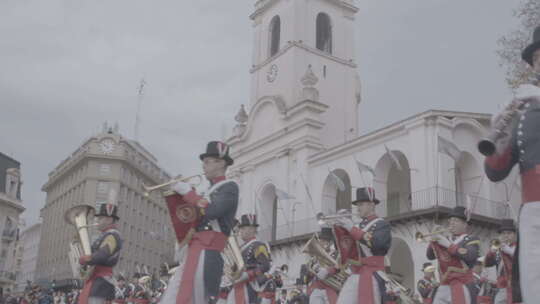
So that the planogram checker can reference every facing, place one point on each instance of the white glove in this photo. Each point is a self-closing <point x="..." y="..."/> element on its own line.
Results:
<point x="243" y="277"/>
<point x="444" y="242"/>
<point x="526" y="91"/>
<point x="181" y="188"/>
<point x="508" y="250"/>
<point x="322" y="274"/>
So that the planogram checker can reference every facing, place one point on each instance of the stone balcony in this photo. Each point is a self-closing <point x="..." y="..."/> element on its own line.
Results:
<point x="433" y="202"/>
<point x="7" y="277"/>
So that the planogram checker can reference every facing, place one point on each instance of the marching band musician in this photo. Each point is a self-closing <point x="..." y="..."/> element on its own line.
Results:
<point x="100" y="287"/>
<point x="268" y="295"/>
<point x="456" y="258"/>
<point x="363" y="245"/>
<point x="521" y="146"/>
<point x="502" y="258"/>
<point x="198" y="281"/>
<point x="256" y="256"/>
<point x="427" y="285"/>
<point x="318" y="291"/>
<point x="121" y="290"/>
<point x="483" y="286"/>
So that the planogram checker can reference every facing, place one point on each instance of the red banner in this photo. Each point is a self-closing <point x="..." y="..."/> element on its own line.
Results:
<point x="184" y="217"/>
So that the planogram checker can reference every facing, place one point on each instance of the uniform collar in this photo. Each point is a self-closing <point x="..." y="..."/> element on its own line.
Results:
<point x="111" y="226"/>
<point x="455" y="236"/>
<point x="370" y="218"/>
<point x="216" y="180"/>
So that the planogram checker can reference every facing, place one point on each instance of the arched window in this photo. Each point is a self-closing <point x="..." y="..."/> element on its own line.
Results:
<point x="324" y="33"/>
<point x="275" y="28"/>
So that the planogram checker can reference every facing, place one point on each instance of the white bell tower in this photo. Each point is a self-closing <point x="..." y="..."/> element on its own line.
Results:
<point x="290" y="36"/>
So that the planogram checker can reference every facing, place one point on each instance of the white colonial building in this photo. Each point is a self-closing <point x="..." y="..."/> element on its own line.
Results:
<point x="301" y="128"/>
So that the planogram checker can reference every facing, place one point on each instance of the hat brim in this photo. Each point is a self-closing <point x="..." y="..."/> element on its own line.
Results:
<point x="113" y="216"/>
<point x="513" y="229"/>
<point x="527" y="54"/>
<point x="244" y="225"/>
<point x="376" y="201"/>
<point x="228" y="160"/>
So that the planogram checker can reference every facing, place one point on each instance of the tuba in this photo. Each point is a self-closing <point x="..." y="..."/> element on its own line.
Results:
<point x="79" y="217"/>
<point x="234" y="262"/>
<point x="314" y="249"/>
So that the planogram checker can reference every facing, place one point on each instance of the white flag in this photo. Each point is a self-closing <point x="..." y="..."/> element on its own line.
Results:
<point x="394" y="158"/>
<point x="282" y="195"/>
<point x="448" y="148"/>
<point x="363" y="168"/>
<point x="339" y="183"/>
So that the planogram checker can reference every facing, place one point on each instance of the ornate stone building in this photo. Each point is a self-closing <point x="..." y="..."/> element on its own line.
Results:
<point x="104" y="162"/>
<point x="10" y="209"/>
<point x="29" y="246"/>
<point x="298" y="150"/>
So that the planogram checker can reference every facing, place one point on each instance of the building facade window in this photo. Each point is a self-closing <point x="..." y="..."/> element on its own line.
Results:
<point x="324" y="33"/>
<point x="274" y="35"/>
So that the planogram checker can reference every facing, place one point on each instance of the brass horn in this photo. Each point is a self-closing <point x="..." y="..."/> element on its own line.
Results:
<point x="420" y="237"/>
<point x="79" y="216"/>
<point x="330" y="219"/>
<point x="495" y="244"/>
<point x="148" y="189"/>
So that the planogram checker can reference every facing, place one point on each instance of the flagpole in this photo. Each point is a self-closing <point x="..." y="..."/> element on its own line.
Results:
<point x="437" y="176"/>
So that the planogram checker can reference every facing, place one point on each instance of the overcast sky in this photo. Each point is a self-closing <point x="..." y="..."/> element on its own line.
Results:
<point x="68" y="66"/>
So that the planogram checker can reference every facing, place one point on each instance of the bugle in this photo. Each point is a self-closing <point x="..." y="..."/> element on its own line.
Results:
<point x="488" y="145"/>
<point x="495" y="244"/>
<point x="420" y="237"/>
<point x="148" y="189"/>
<point x="330" y="219"/>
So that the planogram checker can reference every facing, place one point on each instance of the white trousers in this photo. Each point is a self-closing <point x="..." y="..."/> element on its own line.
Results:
<point x="500" y="297"/>
<point x="318" y="296"/>
<point x="349" y="292"/>
<point x="231" y="298"/>
<point x="266" y="301"/>
<point x="529" y="252"/>
<point x="95" y="300"/>
<point x="199" y="297"/>
<point x="444" y="295"/>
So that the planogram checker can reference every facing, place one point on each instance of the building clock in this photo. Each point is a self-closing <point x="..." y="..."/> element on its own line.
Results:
<point x="106" y="146"/>
<point x="272" y="73"/>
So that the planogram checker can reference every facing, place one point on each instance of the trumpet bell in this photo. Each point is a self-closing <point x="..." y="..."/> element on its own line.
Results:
<point x="419" y="237"/>
<point x="486" y="146"/>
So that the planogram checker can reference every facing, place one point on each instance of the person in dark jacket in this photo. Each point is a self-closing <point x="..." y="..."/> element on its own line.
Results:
<point x="519" y="124"/>
<point x="456" y="256"/>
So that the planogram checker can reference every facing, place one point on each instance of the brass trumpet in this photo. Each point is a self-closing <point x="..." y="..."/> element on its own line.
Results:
<point x="495" y="244"/>
<point x="330" y="219"/>
<point x="420" y="237"/>
<point x="148" y="189"/>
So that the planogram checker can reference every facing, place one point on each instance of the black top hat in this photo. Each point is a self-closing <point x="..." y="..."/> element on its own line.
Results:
<point x="248" y="220"/>
<point x="507" y="225"/>
<point x="459" y="212"/>
<point x="219" y="150"/>
<point x="326" y="233"/>
<point x="527" y="54"/>
<point x="107" y="209"/>
<point x="299" y="281"/>
<point x="366" y="194"/>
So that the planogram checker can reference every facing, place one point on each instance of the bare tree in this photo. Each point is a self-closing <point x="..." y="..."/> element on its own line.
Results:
<point x="518" y="71"/>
